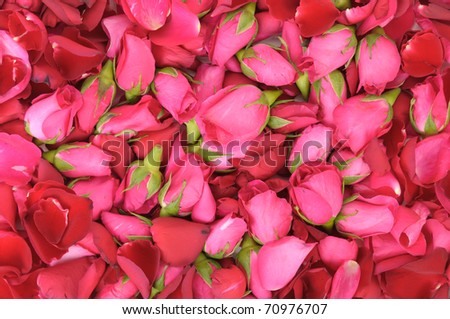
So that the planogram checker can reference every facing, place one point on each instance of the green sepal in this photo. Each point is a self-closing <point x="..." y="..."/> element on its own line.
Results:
<point x="337" y="83"/>
<point x="145" y="220"/>
<point x="272" y="96"/>
<point x="204" y="268"/>
<point x="352" y="179"/>
<point x="350" y="199"/>
<point x="298" y="160"/>
<point x="342" y="4"/>
<point x="152" y="161"/>
<point x="243" y="257"/>
<point x="247" y="18"/>
<point x="158" y="285"/>
<point x="276" y="122"/>
<point x="169" y="71"/>
<point x="308" y="221"/>
<point x="172" y="208"/>
<point x="103" y="120"/>
<point x="192" y="132"/>
<point x="303" y="85"/>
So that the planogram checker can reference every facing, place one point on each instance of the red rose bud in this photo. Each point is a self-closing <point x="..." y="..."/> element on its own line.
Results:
<point x="174" y="92"/>
<point x="179" y="240"/>
<point x="377" y="51"/>
<point x="328" y="92"/>
<point x="258" y="205"/>
<point x="149" y="14"/>
<point x="225" y="235"/>
<point x="430" y="110"/>
<point x="314" y="17"/>
<point x="423" y="54"/>
<point x="186" y="190"/>
<point x="18" y="159"/>
<point x="135" y="66"/>
<point x="80" y="159"/>
<point x="329" y="51"/>
<point x="137" y="192"/>
<point x="128" y="120"/>
<point x="55" y="218"/>
<point x="316" y="192"/>
<point x="98" y="94"/>
<point x="100" y="190"/>
<point x="363" y="117"/>
<point x="234" y="31"/>
<point x="365" y="217"/>
<point x="27" y="30"/>
<point x="265" y="65"/>
<point x="50" y="117"/>
<point x="14" y="66"/>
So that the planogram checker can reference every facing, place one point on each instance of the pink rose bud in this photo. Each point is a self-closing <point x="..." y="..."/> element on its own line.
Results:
<point x="138" y="191"/>
<point x="179" y="240"/>
<point x="316" y="192"/>
<point x="131" y="77"/>
<point x="314" y="145"/>
<point x="365" y="217"/>
<point x="234" y="31"/>
<point x="329" y="51"/>
<point x="352" y="168"/>
<point x="149" y="14"/>
<point x="72" y="54"/>
<point x="15" y="66"/>
<point x="115" y="27"/>
<point x="208" y="80"/>
<point x="364" y="117"/>
<point x="423" y="54"/>
<point x="186" y="190"/>
<point x="228" y="283"/>
<point x="328" y="92"/>
<point x="345" y="281"/>
<point x="125" y="228"/>
<point x="292" y="116"/>
<point x="279" y="260"/>
<point x="80" y="159"/>
<point x="314" y="17"/>
<point x="131" y="119"/>
<point x="50" y="116"/>
<point x="227" y="129"/>
<point x="376" y="51"/>
<point x="98" y="94"/>
<point x="265" y="65"/>
<point x="268" y="26"/>
<point x="174" y="92"/>
<point x="269" y="217"/>
<point x="182" y="27"/>
<point x="430" y="111"/>
<point x="225" y="235"/>
<point x="100" y="190"/>
<point x="139" y="259"/>
<point x="334" y="251"/>
<point x="18" y="159"/>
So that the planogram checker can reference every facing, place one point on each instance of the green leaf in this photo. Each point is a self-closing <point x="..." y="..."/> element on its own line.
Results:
<point x="276" y="122"/>
<point x="247" y="18"/>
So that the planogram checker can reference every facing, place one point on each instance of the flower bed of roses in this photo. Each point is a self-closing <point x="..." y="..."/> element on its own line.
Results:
<point x="224" y="149"/>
